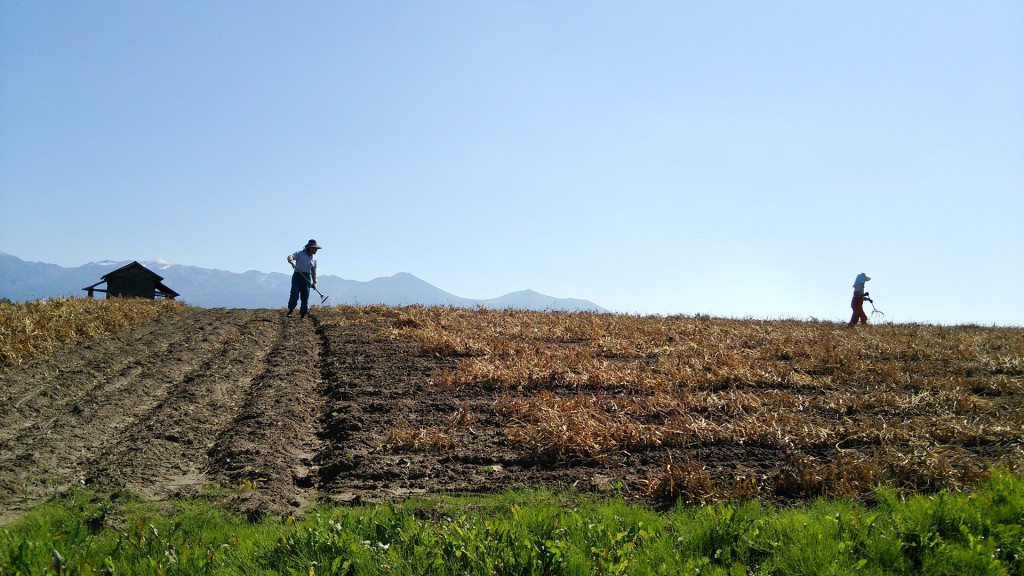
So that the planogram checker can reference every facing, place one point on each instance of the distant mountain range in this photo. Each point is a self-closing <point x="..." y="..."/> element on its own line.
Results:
<point x="24" y="281"/>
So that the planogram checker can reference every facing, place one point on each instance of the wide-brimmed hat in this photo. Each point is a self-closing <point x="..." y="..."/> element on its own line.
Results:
<point x="312" y="244"/>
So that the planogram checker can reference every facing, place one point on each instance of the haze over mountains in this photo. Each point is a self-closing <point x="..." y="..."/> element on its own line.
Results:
<point x="208" y="288"/>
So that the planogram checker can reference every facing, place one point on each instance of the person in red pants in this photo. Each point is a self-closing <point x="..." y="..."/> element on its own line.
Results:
<point x="858" y="300"/>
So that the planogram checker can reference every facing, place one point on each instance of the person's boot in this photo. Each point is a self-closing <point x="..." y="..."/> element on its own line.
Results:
<point x="289" y="314"/>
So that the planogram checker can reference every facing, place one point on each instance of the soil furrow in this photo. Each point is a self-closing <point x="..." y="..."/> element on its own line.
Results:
<point x="67" y="382"/>
<point x="163" y="453"/>
<point x="267" y="450"/>
<point x="55" y="443"/>
<point x="73" y="370"/>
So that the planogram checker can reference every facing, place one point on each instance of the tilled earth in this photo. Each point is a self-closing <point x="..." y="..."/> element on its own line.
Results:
<point x="165" y="408"/>
<point x="279" y="413"/>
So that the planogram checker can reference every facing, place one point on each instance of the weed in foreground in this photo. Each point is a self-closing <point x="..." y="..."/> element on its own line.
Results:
<point x="531" y="532"/>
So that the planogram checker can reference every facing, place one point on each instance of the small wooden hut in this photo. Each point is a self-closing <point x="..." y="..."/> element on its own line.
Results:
<point x="133" y="281"/>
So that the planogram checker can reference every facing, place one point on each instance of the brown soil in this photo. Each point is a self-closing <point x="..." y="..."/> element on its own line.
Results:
<point x="280" y="413"/>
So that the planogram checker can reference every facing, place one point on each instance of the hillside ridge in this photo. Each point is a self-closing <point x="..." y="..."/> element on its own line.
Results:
<point x="22" y="281"/>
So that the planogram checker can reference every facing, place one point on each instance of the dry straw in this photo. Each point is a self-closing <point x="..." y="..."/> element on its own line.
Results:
<point x="38" y="328"/>
<point x="917" y="405"/>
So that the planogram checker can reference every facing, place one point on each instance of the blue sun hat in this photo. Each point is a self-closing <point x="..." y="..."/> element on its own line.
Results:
<point x="861" y="278"/>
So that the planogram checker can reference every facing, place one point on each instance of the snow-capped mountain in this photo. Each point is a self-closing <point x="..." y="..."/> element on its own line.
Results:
<point x="159" y="264"/>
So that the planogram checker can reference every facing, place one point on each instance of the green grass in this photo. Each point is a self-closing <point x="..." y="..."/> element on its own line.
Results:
<point x="528" y="532"/>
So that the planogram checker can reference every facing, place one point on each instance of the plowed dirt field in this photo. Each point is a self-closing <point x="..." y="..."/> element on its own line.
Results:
<point x="281" y="412"/>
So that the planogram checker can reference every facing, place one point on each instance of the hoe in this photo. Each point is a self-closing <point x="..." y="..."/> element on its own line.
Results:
<point x="310" y="280"/>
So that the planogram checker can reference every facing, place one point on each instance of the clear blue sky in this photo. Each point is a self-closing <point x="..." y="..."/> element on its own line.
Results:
<point x="742" y="159"/>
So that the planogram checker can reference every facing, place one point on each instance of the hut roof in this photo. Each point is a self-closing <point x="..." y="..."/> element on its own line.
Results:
<point x="163" y="289"/>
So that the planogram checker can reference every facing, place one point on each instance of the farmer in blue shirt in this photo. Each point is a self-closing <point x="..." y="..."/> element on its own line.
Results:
<point x="304" y="277"/>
